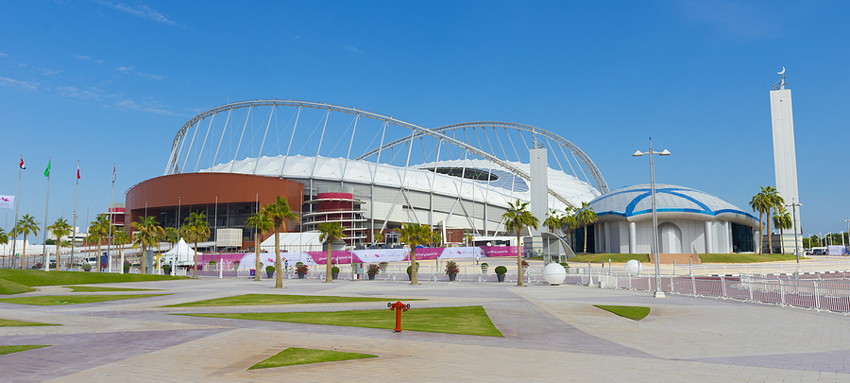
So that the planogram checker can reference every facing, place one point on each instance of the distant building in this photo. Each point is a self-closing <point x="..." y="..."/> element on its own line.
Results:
<point x="689" y="221"/>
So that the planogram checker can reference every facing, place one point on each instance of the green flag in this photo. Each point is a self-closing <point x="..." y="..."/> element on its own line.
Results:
<point x="47" y="170"/>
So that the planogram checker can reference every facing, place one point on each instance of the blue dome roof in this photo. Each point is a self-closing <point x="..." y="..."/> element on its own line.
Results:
<point x="635" y="200"/>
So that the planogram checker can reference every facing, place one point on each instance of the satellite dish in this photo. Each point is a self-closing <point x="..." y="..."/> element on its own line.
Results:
<point x="782" y="71"/>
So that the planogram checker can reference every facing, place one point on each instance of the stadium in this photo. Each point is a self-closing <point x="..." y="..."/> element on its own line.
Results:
<point x="367" y="171"/>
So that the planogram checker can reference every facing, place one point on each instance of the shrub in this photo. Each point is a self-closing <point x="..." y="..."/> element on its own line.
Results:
<point x="86" y="267"/>
<point x="335" y="269"/>
<point x="384" y="265"/>
<point x="212" y="263"/>
<point x="566" y="265"/>
<point x="501" y="270"/>
<point x="373" y="269"/>
<point x="297" y="264"/>
<point x="484" y="267"/>
<point x="269" y="269"/>
<point x="302" y="268"/>
<point x="452" y="267"/>
<point x="166" y="268"/>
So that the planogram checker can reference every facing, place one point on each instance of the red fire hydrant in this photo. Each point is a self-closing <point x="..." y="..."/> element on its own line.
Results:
<point x="398" y="307"/>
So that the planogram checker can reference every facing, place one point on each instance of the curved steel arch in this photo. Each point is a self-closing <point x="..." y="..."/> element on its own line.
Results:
<point x="581" y="155"/>
<point x="172" y="167"/>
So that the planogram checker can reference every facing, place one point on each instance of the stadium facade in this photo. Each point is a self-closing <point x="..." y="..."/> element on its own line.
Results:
<point x="370" y="172"/>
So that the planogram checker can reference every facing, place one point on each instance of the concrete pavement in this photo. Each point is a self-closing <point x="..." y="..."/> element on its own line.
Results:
<point x="551" y="333"/>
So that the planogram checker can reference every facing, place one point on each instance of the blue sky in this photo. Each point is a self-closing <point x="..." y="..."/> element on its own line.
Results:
<point x="112" y="81"/>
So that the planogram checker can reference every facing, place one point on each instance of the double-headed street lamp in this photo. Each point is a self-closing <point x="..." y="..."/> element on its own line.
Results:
<point x="654" y="244"/>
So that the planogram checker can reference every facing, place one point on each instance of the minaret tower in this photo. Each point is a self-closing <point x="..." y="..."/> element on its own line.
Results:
<point x="785" y="158"/>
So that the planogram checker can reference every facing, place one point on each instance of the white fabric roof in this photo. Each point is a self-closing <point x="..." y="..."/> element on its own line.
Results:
<point x="633" y="201"/>
<point x="181" y="253"/>
<point x="414" y="178"/>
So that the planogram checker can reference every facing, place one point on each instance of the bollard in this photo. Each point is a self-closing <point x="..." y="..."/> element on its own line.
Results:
<point x="398" y="307"/>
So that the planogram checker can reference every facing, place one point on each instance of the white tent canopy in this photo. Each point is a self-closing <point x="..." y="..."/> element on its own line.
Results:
<point x="308" y="241"/>
<point x="181" y="254"/>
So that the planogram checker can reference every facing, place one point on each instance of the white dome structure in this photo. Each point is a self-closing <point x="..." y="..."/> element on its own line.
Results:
<point x="689" y="220"/>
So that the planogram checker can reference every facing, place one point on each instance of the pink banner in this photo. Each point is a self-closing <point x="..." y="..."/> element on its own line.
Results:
<point x="499" y="251"/>
<point x="338" y="257"/>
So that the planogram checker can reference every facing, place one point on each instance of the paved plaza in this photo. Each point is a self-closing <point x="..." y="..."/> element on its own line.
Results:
<point x="552" y="333"/>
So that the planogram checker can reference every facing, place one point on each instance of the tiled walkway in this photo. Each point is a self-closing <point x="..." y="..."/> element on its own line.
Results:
<point x="552" y="333"/>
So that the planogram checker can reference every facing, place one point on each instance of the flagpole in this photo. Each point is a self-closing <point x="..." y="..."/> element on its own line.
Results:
<point x="76" y="194"/>
<point x="17" y="206"/>
<point x="46" y="205"/>
<point x="109" y="240"/>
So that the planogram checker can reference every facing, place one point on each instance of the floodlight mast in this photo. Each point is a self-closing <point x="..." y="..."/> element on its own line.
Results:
<point x="654" y="244"/>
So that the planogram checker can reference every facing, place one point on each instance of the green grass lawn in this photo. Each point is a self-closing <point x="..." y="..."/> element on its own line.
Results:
<point x="631" y="312"/>
<point x="745" y="258"/>
<point x="604" y="257"/>
<point x="465" y="320"/>
<point x="18" y="348"/>
<point x="53" y="278"/>
<point x="9" y="287"/>
<point x="278" y="299"/>
<point x="294" y="355"/>
<point x="54" y="300"/>
<point x="92" y="289"/>
<point x="16" y="323"/>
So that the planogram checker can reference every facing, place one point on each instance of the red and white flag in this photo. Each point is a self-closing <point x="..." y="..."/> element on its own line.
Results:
<point x="22" y="165"/>
<point x="78" y="171"/>
<point x="7" y="202"/>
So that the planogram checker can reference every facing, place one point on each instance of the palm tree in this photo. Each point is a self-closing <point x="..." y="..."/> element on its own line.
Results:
<point x="585" y="216"/>
<point x="148" y="233"/>
<point x="261" y="223"/>
<point x="26" y="225"/>
<point x="782" y="221"/>
<point x="570" y="222"/>
<point x="329" y="232"/>
<point x="60" y="229"/>
<point x="766" y="200"/>
<point x="414" y="235"/>
<point x="552" y="222"/>
<point x="279" y="212"/>
<point x="172" y="236"/>
<point x="377" y="237"/>
<point x="98" y="232"/>
<point x="4" y="238"/>
<point x="120" y="238"/>
<point x="517" y="218"/>
<point x="196" y="229"/>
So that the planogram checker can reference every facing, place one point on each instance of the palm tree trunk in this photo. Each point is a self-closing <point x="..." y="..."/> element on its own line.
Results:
<point x="58" y="251"/>
<point x="769" y="234"/>
<point x="761" y="235"/>
<point x="413" y="279"/>
<point x="97" y="258"/>
<point x="195" y="259"/>
<point x="328" y="265"/>
<point x="257" y="257"/>
<point x="585" y="239"/>
<point x="143" y="263"/>
<point x="278" y="282"/>
<point x="781" y="241"/>
<point x="518" y="262"/>
<point x="24" y="253"/>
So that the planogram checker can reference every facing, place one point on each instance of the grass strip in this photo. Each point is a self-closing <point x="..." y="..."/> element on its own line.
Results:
<point x="21" y="347"/>
<point x="58" y="300"/>
<point x="278" y="299"/>
<point x="92" y="289"/>
<point x="614" y="257"/>
<point x="295" y="355"/>
<point x="17" y="323"/>
<point x="9" y="288"/>
<point x="54" y="278"/>
<point x="464" y="320"/>
<point x="745" y="258"/>
<point x="631" y="312"/>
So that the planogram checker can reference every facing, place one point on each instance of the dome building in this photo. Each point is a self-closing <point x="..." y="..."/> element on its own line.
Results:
<point x="689" y="220"/>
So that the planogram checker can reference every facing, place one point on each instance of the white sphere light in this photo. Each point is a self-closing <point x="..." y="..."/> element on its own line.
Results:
<point x="554" y="274"/>
<point x="633" y="266"/>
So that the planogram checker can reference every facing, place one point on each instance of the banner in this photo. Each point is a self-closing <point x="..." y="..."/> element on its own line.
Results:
<point x="7" y="202"/>
<point x="340" y="257"/>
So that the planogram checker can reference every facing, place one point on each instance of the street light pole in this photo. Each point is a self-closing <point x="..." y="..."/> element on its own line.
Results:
<point x="658" y="292"/>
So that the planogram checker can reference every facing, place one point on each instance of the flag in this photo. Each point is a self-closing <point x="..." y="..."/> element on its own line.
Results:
<point x="47" y="169"/>
<point x="78" y="171"/>
<point x="114" y="170"/>
<point x="22" y="165"/>
<point x="7" y="202"/>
